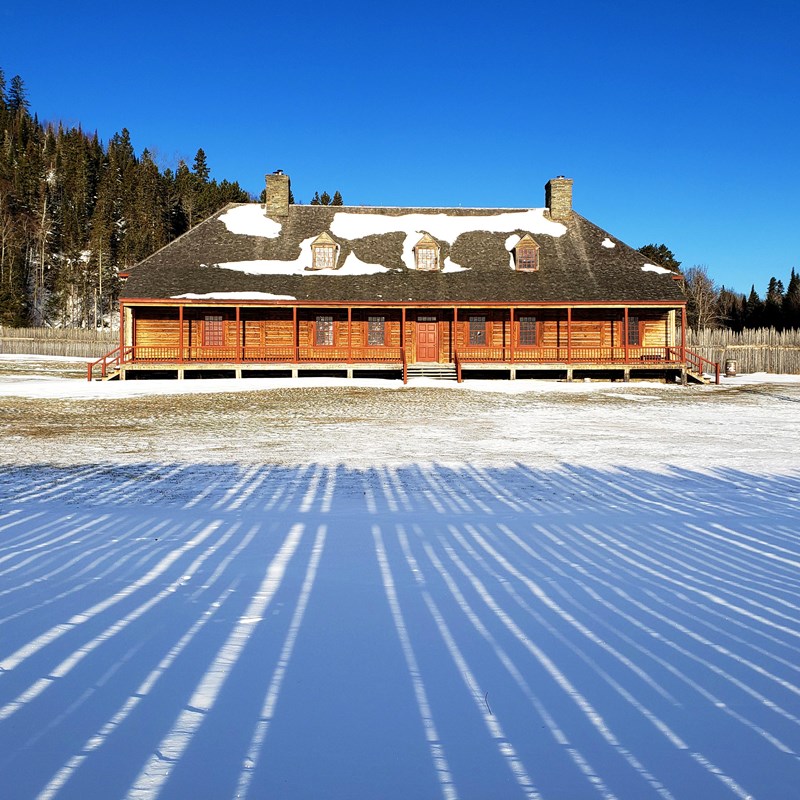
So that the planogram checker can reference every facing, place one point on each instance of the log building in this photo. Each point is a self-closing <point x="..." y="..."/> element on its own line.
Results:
<point x="283" y="289"/>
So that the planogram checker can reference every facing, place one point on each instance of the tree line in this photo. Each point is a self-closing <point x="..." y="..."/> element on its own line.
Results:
<point x="711" y="306"/>
<point x="74" y="212"/>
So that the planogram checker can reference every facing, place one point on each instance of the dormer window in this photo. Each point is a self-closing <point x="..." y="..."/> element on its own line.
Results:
<point x="324" y="252"/>
<point x="526" y="254"/>
<point x="426" y="254"/>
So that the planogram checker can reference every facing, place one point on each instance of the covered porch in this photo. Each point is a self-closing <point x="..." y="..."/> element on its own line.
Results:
<point x="190" y="338"/>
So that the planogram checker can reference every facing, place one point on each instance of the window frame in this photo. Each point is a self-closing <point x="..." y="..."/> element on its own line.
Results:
<point x="477" y="330"/>
<point x="324" y="333"/>
<point x="528" y="325"/>
<point x="329" y="251"/>
<point x="431" y="256"/>
<point x="634" y="337"/>
<point x="213" y="330"/>
<point x="374" y="332"/>
<point x="527" y="257"/>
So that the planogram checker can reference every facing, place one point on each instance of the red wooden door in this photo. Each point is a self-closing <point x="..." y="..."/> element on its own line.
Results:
<point x="427" y="341"/>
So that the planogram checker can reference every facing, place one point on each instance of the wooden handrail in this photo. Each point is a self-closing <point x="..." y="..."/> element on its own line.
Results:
<point x="111" y="358"/>
<point x="697" y="361"/>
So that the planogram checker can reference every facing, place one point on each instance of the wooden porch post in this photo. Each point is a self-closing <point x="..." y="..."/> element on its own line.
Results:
<point x="180" y="334"/>
<point x="122" y="332"/>
<point x="511" y="335"/>
<point x="349" y="334"/>
<point x="402" y="328"/>
<point x="626" y="340"/>
<point x="455" y="332"/>
<point x="295" y="345"/>
<point x="238" y="354"/>
<point x="683" y="333"/>
<point x="569" y="334"/>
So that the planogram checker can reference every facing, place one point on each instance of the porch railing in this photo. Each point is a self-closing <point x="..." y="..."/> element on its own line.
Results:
<point x="397" y="355"/>
<point x="572" y="355"/>
<point x="264" y="355"/>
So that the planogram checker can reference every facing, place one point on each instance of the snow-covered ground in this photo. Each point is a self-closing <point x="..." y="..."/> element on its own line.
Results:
<point x="376" y="591"/>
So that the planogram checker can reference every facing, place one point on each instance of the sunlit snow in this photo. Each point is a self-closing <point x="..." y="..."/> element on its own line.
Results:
<point x="656" y="268"/>
<point x="233" y="296"/>
<point x="250" y="220"/>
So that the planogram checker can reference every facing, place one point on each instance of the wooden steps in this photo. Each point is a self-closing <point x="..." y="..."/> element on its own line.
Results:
<point x="442" y="372"/>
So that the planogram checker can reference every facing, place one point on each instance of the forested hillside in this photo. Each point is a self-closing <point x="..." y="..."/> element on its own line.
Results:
<point x="75" y="211"/>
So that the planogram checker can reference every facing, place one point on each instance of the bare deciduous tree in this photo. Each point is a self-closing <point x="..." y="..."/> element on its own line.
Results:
<point x="702" y="295"/>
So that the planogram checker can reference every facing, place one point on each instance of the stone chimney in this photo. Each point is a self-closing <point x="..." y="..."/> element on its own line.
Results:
<point x="277" y="194"/>
<point x="558" y="197"/>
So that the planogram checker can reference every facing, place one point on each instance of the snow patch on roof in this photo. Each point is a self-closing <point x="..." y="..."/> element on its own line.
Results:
<point x="654" y="268"/>
<point x="353" y="265"/>
<point x="233" y="296"/>
<point x="441" y="226"/>
<point x="250" y="220"/>
<point x="300" y="266"/>
<point x="511" y="243"/>
<point x="451" y="266"/>
<point x="607" y="242"/>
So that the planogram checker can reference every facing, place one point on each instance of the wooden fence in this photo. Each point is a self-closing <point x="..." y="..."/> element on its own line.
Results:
<point x="76" y="342"/>
<point x="756" y="350"/>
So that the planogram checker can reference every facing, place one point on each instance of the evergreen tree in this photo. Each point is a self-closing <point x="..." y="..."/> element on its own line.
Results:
<point x="661" y="255"/>
<point x="200" y="166"/>
<point x="325" y="199"/>
<point x="2" y="89"/>
<point x="17" y="97"/>
<point x="773" y="305"/>
<point x="754" y="310"/>
<point x="791" y="302"/>
<point x="731" y="309"/>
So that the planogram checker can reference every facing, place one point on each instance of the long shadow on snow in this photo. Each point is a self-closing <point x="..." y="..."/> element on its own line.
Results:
<point x="208" y="631"/>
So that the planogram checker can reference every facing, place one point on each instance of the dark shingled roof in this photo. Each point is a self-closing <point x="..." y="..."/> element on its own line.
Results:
<point x="574" y="267"/>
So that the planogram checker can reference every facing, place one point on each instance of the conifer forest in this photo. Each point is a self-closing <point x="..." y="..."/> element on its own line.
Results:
<point x="74" y="212"/>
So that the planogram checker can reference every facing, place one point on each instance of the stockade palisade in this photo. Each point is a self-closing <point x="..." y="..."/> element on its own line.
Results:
<point x="449" y="292"/>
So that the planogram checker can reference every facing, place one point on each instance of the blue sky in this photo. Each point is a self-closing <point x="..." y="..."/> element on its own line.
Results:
<point x="678" y="122"/>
